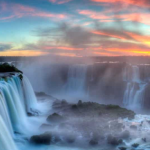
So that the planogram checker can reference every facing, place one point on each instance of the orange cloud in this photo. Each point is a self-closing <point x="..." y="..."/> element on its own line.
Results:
<point x="141" y="3"/>
<point x="22" y="53"/>
<point x="140" y="38"/>
<point x="107" y="34"/>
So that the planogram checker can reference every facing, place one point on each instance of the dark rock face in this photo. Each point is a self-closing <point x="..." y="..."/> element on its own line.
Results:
<point x="41" y="139"/>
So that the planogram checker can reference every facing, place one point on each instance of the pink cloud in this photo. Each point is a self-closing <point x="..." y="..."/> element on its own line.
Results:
<point x="93" y="14"/>
<point x="104" y="16"/>
<point x="140" y="3"/>
<point x="59" y="1"/>
<point x="11" y="11"/>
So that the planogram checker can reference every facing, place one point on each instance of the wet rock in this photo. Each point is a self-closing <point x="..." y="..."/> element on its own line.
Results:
<point x="125" y="134"/>
<point x="122" y="148"/>
<point x="134" y="127"/>
<point x="93" y="142"/>
<point x="64" y="102"/>
<point x="80" y="103"/>
<point x="114" y="140"/>
<point x="144" y="139"/>
<point x="135" y="145"/>
<point x="57" y="139"/>
<point x="46" y="126"/>
<point x="41" y="139"/>
<point x="70" y="138"/>
<point x="55" y="118"/>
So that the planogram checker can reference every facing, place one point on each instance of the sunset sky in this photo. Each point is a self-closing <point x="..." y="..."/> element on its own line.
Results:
<point x="74" y="27"/>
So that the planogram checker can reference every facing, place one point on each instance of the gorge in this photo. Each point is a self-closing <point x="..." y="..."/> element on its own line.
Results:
<point x="41" y="121"/>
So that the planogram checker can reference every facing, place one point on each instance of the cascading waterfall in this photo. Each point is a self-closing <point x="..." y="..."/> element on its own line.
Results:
<point x="5" y="114"/>
<point x="15" y="97"/>
<point x="6" y="141"/>
<point x="12" y="98"/>
<point x="77" y="79"/>
<point x="134" y="93"/>
<point x="30" y="98"/>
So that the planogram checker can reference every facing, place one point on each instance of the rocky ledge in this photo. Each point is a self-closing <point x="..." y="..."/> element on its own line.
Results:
<point x="91" y="123"/>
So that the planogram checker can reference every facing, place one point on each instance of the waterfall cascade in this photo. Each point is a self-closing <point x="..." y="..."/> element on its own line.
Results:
<point x="15" y="97"/>
<point x="134" y="93"/>
<point x="5" y="137"/>
<point x="76" y="83"/>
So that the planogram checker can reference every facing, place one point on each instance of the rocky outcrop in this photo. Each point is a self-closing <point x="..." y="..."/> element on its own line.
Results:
<point x="41" y="139"/>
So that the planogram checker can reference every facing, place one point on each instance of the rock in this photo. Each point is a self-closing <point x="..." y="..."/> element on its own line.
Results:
<point x="64" y="102"/>
<point x="114" y="140"/>
<point x="122" y="148"/>
<point x="144" y="139"/>
<point x="57" y="139"/>
<point x="55" y="118"/>
<point x="135" y="145"/>
<point x="70" y="138"/>
<point x="133" y="127"/>
<point x="80" y="103"/>
<point x="93" y="142"/>
<point x="41" y="139"/>
<point x="125" y="134"/>
<point x="46" y="126"/>
<point x="74" y="107"/>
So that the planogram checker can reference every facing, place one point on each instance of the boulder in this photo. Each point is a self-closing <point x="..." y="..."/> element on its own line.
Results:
<point x="55" y="118"/>
<point x="41" y="139"/>
<point x="114" y="140"/>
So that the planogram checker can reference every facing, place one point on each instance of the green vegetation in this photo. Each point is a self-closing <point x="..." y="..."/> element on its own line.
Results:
<point x="5" y="67"/>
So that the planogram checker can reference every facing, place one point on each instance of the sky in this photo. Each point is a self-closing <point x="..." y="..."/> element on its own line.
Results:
<point x="75" y="28"/>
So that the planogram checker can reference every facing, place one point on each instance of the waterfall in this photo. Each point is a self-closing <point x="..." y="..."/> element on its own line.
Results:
<point x="6" y="141"/>
<point x="13" y="96"/>
<point x="5" y="114"/>
<point x="76" y="83"/>
<point x="134" y="93"/>
<point x="30" y="98"/>
<point x="135" y="74"/>
<point x="13" y="101"/>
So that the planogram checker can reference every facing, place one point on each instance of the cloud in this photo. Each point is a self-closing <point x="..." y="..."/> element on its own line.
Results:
<point x="80" y="41"/>
<point x="11" y="11"/>
<point x="139" y="3"/>
<point x="59" y="1"/>
<point x="4" y="47"/>
<point x="106" y="16"/>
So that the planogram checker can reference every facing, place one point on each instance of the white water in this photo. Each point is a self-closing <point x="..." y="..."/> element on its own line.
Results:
<point x="6" y="141"/>
<point x="5" y="115"/>
<point x="14" y="106"/>
<point x="30" y="98"/>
